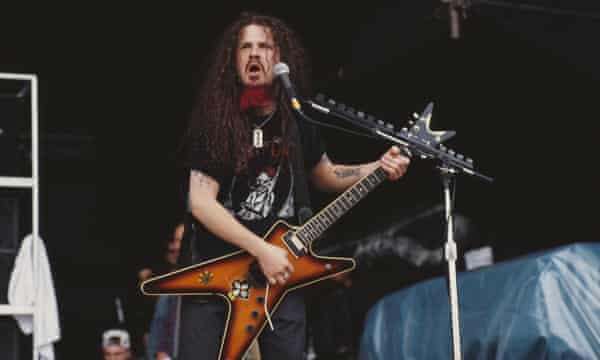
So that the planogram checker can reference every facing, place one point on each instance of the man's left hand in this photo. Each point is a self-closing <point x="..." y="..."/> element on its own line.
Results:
<point x="394" y="163"/>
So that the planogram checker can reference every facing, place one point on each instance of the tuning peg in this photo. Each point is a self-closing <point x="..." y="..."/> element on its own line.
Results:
<point x="380" y="123"/>
<point x="341" y="107"/>
<point x="443" y="148"/>
<point x="404" y="130"/>
<point x="451" y="152"/>
<point x="370" y="118"/>
<point x="331" y="102"/>
<point x="460" y="156"/>
<point x="415" y="116"/>
<point x="360" y="114"/>
<point x="470" y="161"/>
<point x="320" y="98"/>
<point x="389" y="126"/>
<point x="350" y="110"/>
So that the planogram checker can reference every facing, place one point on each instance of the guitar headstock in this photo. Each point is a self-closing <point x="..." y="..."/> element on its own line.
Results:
<point x="419" y="138"/>
<point x="422" y="130"/>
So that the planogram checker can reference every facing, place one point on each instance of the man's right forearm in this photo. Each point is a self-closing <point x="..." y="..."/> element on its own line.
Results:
<point x="219" y="221"/>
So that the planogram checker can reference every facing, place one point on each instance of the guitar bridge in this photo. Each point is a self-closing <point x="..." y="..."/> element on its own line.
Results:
<point x="293" y="243"/>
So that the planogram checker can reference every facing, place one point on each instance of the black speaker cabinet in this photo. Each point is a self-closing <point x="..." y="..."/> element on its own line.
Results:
<point x="9" y="224"/>
<point x="9" y="241"/>
<point x="9" y="245"/>
<point x="10" y="340"/>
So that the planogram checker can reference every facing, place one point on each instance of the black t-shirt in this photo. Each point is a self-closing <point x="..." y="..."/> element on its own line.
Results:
<point x="260" y="195"/>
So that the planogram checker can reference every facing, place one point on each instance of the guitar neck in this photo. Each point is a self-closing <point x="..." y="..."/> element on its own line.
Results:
<point x="319" y="223"/>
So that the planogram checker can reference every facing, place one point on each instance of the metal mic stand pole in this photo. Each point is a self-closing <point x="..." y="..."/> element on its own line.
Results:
<point x="420" y="140"/>
<point x="447" y="175"/>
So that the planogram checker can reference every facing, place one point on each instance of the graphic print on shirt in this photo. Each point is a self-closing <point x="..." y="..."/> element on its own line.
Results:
<point x="260" y="198"/>
<point x="266" y="189"/>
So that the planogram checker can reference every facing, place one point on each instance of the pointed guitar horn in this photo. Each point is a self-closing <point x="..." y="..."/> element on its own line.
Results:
<point x="422" y="127"/>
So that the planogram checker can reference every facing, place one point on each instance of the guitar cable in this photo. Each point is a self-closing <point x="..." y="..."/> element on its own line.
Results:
<point x="267" y="310"/>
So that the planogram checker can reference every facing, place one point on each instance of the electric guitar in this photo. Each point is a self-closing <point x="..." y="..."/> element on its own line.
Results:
<point x="238" y="279"/>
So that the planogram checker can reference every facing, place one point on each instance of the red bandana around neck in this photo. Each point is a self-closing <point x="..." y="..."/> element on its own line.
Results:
<point x="255" y="96"/>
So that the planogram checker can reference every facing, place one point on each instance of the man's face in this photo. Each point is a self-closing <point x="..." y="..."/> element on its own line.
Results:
<point x="116" y="352"/>
<point x="256" y="56"/>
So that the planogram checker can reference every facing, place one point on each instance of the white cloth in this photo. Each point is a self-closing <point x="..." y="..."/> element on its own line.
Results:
<point x="22" y="291"/>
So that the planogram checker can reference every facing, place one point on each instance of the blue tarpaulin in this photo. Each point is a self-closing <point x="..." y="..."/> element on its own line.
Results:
<point x="542" y="306"/>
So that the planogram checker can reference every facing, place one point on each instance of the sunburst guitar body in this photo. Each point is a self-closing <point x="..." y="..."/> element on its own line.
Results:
<point x="237" y="278"/>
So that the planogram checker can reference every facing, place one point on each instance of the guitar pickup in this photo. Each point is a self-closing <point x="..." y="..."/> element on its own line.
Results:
<point x="294" y="243"/>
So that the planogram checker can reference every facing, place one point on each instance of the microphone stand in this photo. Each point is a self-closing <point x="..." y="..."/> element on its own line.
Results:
<point x="450" y="166"/>
<point x="447" y="175"/>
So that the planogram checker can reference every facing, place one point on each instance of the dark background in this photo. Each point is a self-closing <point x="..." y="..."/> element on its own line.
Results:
<point x="117" y="85"/>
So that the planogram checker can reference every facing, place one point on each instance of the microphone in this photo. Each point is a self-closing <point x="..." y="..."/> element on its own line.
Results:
<point x="282" y="71"/>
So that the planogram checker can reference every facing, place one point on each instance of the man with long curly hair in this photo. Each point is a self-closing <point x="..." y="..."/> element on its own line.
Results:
<point x="244" y="146"/>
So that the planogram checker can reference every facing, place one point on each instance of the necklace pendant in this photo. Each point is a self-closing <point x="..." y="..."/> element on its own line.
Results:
<point x="257" y="138"/>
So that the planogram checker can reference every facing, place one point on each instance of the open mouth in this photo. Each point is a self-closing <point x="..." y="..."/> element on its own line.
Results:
<point x="254" y="69"/>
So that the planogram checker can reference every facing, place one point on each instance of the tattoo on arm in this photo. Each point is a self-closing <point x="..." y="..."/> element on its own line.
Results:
<point x="200" y="178"/>
<point x="346" y="172"/>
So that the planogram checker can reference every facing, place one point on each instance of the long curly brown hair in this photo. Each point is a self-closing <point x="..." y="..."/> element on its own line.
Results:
<point x="217" y="120"/>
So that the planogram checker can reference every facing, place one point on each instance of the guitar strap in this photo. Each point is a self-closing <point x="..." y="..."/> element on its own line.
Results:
<point x="188" y="252"/>
<point x="301" y="194"/>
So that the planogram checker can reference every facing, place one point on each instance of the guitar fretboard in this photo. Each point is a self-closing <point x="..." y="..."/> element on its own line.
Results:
<point x="319" y="223"/>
